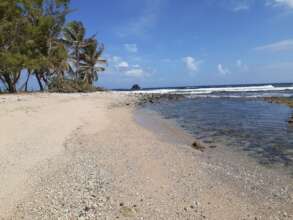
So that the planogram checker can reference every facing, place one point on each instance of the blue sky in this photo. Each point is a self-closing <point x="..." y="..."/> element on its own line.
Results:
<point x="191" y="42"/>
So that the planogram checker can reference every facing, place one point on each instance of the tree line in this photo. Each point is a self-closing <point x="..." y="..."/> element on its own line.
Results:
<point x="36" y="41"/>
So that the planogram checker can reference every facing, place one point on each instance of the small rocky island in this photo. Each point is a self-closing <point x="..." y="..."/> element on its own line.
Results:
<point x="135" y="87"/>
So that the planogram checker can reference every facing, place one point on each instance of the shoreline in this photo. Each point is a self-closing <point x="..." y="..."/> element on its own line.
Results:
<point x="245" y="174"/>
<point x="108" y="164"/>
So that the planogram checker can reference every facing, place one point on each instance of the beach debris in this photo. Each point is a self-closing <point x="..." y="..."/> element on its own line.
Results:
<point x="212" y="146"/>
<point x="127" y="212"/>
<point x="290" y="121"/>
<point x="197" y="146"/>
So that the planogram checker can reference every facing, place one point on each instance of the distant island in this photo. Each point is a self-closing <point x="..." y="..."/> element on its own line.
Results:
<point x="135" y="87"/>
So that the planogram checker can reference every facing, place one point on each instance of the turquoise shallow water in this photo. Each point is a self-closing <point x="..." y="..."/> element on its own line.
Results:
<point x="251" y="125"/>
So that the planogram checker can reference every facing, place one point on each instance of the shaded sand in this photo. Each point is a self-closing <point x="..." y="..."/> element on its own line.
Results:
<point x="85" y="156"/>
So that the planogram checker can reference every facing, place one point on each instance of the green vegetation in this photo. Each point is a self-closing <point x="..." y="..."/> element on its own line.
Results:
<point x="71" y="86"/>
<point x="36" y="41"/>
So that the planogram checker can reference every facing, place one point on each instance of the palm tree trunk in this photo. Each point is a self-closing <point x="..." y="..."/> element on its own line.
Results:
<point x="9" y="82"/>
<point x="3" y="82"/>
<point x="77" y="62"/>
<point x="26" y="82"/>
<point x="39" y="82"/>
<point x="90" y="77"/>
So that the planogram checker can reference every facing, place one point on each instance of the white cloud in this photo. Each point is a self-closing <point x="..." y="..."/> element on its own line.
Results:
<point x="241" y="5"/>
<point x="287" y="3"/>
<point x="233" y="5"/>
<point x="191" y="63"/>
<point x="132" y="48"/>
<point x="222" y="70"/>
<point x="241" y="8"/>
<point x="115" y="59"/>
<point x="244" y="5"/>
<point x="135" y="72"/>
<point x="284" y="45"/>
<point x="122" y="66"/>
<point x="145" y="21"/>
<point x="241" y="65"/>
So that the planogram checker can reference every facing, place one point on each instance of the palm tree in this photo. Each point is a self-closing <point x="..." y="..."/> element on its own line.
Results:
<point x="92" y="63"/>
<point x="74" y="39"/>
<point x="57" y="57"/>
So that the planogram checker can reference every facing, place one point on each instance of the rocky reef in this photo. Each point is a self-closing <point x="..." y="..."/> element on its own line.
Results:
<point x="282" y="101"/>
<point x="144" y="98"/>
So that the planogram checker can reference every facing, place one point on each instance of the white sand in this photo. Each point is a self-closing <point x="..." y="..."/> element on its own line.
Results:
<point x="83" y="156"/>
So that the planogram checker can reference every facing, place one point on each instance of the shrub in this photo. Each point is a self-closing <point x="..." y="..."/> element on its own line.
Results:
<point x="70" y="86"/>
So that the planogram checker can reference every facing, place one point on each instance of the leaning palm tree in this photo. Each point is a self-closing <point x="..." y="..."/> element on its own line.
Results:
<point x="91" y="61"/>
<point x="74" y="39"/>
<point x="57" y="60"/>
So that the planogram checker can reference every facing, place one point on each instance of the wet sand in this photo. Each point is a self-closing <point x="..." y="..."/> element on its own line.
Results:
<point x="91" y="156"/>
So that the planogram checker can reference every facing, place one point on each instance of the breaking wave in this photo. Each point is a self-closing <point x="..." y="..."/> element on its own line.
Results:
<point x="252" y="91"/>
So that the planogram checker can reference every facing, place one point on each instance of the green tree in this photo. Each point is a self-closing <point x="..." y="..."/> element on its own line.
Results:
<point x="29" y="39"/>
<point x="13" y="30"/>
<point x="74" y="39"/>
<point x="35" y="39"/>
<point x="92" y="63"/>
<point x="46" y="52"/>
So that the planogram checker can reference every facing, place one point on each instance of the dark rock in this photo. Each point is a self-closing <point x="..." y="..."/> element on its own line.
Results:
<point x="198" y="146"/>
<point x="86" y="209"/>
<point x="156" y="98"/>
<point x="135" y="87"/>
<point x="213" y="146"/>
<point x="291" y="120"/>
<point x="280" y="100"/>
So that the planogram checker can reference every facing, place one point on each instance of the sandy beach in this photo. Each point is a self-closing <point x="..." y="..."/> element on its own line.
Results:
<point x="95" y="156"/>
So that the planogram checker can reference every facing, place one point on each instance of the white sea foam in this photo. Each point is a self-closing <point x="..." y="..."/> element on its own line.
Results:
<point x="202" y="91"/>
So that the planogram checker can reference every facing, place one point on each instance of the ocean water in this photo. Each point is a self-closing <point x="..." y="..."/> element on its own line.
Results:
<point x="237" y="117"/>
<point x="231" y="91"/>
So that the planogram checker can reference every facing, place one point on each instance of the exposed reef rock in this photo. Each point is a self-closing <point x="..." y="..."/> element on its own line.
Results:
<point x="198" y="146"/>
<point x="282" y="101"/>
<point x="155" y="98"/>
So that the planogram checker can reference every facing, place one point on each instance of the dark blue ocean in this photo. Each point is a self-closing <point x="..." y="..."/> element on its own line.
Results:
<point x="237" y="117"/>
